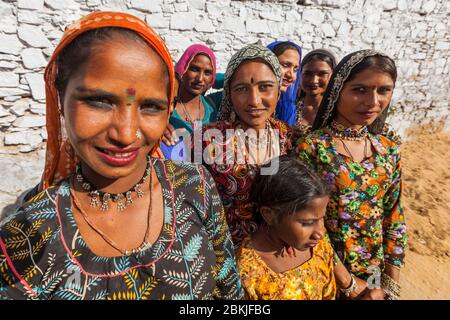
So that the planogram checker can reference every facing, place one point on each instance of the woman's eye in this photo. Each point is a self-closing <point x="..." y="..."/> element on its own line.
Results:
<point x="384" y="90"/>
<point x="151" y="108"/>
<point x="307" y="223"/>
<point x="240" y="89"/>
<point x="99" y="102"/>
<point x="265" y="87"/>
<point x="359" y="90"/>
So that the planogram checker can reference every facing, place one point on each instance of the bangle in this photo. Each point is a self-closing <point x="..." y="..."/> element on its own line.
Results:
<point x="353" y="286"/>
<point x="390" y="287"/>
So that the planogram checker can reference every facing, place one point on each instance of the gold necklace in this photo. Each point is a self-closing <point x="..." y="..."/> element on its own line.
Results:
<point x="187" y="114"/>
<point x="143" y="246"/>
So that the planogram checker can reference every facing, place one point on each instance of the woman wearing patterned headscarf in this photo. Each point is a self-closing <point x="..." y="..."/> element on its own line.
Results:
<point x="365" y="219"/>
<point x="114" y="222"/>
<point x="233" y="150"/>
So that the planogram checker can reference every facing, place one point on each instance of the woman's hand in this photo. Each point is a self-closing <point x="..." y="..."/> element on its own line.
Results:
<point x="169" y="137"/>
<point x="373" y="294"/>
<point x="360" y="290"/>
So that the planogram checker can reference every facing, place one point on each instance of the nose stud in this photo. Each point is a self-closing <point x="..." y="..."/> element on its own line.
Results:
<point x="138" y="134"/>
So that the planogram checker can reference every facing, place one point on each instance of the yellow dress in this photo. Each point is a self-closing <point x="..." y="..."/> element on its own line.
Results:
<point x="313" y="280"/>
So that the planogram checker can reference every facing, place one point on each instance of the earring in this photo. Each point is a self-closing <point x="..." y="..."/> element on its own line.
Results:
<point x="138" y="134"/>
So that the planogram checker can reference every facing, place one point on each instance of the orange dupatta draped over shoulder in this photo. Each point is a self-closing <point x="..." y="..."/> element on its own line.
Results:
<point x="60" y="160"/>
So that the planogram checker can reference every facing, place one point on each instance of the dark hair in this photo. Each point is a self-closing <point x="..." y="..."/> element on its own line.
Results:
<point x="380" y="63"/>
<point x="292" y="187"/>
<point x="321" y="57"/>
<point x="75" y="54"/>
<point x="279" y="49"/>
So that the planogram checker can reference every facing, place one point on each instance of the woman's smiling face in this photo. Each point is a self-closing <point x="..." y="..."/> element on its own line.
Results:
<point x="116" y="107"/>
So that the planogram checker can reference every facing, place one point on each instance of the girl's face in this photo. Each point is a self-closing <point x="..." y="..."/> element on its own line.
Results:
<point x="315" y="77"/>
<point x="289" y="61"/>
<point x="364" y="98"/>
<point x="303" y="229"/>
<point x="116" y="107"/>
<point x="254" y="93"/>
<point x="198" y="76"/>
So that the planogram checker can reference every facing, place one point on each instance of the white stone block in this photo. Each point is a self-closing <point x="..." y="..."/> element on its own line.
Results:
<point x="197" y="4"/>
<point x="182" y="21"/>
<point x="442" y="45"/>
<point x="7" y="65"/>
<point x="4" y="92"/>
<point x="37" y="108"/>
<point x="178" y="42"/>
<point x="314" y="16"/>
<point x="389" y="5"/>
<point x="30" y="4"/>
<point x="275" y="15"/>
<point x="6" y="121"/>
<point x="62" y="4"/>
<point x="37" y="85"/>
<point x="429" y="6"/>
<point x="30" y="17"/>
<point x="158" y="20"/>
<point x="19" y="107"/>
<point x="3" y="112"/>
<point x="147" y="6"/>
<point x="10" y="44"/>
<point x="181" y="7"/>
<point x="293" y="16"/>
<point x="33" y="36"/>
<point x="257" y="26"/>
<point x="30" y="121"/>
<point x="339" y="15"/>
<point x="328" y="30"/>
<point x="215" y="8"/>
<point x="233" y="24"/>
<point x="33" y="58"/>
<point x="205" y="26"/>
<point x="24" y="137"/>
<point x="9" y="79"/>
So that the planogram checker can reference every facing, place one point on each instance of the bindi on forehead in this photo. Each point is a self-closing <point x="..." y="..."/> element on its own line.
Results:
<point x="131" y="95"/>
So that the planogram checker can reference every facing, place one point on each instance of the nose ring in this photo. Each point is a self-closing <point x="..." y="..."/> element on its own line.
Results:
<point x="138" y="134"/>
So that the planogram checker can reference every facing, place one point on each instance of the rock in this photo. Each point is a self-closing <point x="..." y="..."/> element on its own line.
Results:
<point x="147" y="6"/>
<point x="157" y="20"/>
<point x="62" y="4"/>
<point x="328" y="30"/>
<point x="442" y="45"/>
<point x="205" y="26"/>
<point x="25" y="16"/>
<point x="313" y="16"/>
<point x="389" y="5"/>
<point x="37" y="85"/>
<point x="234" y="25"/>
<point x="33" y="36"/>
<point x="429" y="6"/>
<point x="7" y="65"/>
<point x="257" y="26"/>
<point x="182" y="21"/>
<point x="6" y="121"/>
<point x="4" y="92"/>
<point x="9" y="79"/>
<point x="181" y="7"/>
<point x="10" y="44"/>
<point x="37" y="108"/>
<point x="214" y="8"/>
<point x="197" y="4"/>
<point x="30" y="121"/>
<point x="30" y="4"/>
<point x="24" y="137"/>
<point x="3" y="112"/>
<point x="19" y="108"/>
<point x="33" y="58"/>
<point x="11" y="98"/>
<point x="274" y="15"/>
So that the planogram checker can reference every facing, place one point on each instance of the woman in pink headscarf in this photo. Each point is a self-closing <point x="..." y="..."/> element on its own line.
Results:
<point x="196" y="72"/>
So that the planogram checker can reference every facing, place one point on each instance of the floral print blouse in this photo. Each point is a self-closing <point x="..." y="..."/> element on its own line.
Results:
<point x="364" y="219"/>
<point x="43" y="255"/>
<point x="312" y="280"/>
<point x="234" y="180"/>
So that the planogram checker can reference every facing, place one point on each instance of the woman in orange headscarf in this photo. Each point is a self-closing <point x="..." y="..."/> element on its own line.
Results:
<point x="113" y="221"/>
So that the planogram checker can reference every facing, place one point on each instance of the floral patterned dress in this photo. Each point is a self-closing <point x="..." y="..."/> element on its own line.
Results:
<point x="43" y="255"/>
<point x="234" y="180"/>
<point x="312" y="280"/>
<point x="365" y="219"/>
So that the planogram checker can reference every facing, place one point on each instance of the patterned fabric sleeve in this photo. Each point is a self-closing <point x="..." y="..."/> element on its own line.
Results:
<point x="226" y="272"/>
<point x="394" y="228"/>
<point x="306" y="151"/>
<point x="329" y="290"/>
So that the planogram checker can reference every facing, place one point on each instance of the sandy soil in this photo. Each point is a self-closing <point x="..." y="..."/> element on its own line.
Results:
<point x="426" y="198"/>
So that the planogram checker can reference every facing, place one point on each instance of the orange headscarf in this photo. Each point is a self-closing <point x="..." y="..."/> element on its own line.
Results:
<point x="60" y="158"/>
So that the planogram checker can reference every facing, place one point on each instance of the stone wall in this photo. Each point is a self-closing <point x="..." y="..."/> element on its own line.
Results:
<point x="414" y="32"/>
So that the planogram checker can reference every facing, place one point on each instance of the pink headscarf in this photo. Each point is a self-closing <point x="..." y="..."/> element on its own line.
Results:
<point x="190" y="54"/>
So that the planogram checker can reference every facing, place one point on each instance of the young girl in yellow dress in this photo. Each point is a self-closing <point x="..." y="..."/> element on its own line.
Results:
<point x="288" y="257"/>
